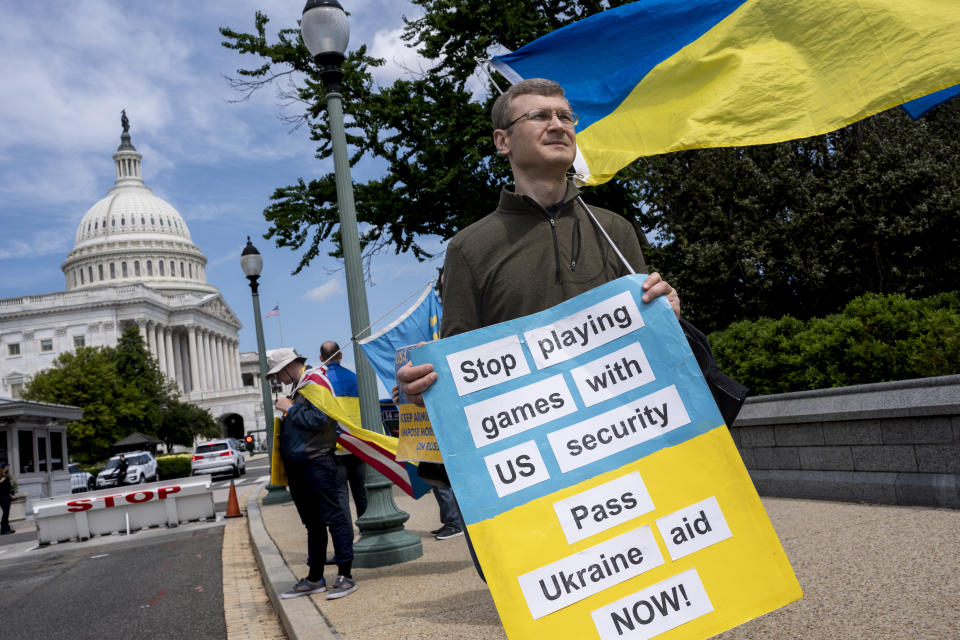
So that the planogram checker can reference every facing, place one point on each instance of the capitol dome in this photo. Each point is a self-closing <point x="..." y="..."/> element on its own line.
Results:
<point x="132" y="236"/>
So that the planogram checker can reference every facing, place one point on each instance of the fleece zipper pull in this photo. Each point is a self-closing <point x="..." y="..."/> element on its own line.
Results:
<point x="575" y="241"/>
<point x="556" y="250"/>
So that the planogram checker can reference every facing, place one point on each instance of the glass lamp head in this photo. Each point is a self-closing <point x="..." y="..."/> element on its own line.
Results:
<point x="251" y="261"/>
<point x="325" y="28"/>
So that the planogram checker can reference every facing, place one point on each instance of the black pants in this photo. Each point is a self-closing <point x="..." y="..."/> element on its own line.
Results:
<point x="313" y="487"/>
<point x="5" y="519"/>
<point x="351" y="478"/>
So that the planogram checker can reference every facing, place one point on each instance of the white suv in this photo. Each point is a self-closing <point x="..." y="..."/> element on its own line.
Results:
<point x="141" y="467"/>
<point x="80" y="480"/>
<point x="218" y="456"/>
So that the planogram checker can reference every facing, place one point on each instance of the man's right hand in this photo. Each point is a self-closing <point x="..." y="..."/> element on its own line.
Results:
<point x="414" y="380"/>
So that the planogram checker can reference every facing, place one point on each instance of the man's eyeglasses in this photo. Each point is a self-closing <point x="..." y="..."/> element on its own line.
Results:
<point x="542" y="116"/>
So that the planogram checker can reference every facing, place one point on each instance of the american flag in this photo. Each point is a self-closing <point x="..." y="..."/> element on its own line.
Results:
<point x="376" y="449"/>
<point x="273" y="312"/>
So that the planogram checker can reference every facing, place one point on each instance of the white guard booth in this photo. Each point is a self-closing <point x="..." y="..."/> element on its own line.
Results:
<point x="82" y="516"/>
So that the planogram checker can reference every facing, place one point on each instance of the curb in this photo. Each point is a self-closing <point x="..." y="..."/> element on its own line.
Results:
<point x="300" y="617"/>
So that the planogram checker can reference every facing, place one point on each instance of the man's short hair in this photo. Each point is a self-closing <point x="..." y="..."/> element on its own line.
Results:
<point x="328" y="349"/>
<point x="532" y="86"/>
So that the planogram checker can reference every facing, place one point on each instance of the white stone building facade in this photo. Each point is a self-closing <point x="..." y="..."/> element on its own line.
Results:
<point x="134" y="264"/>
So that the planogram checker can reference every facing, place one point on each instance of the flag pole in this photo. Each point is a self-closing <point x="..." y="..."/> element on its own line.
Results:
<point x="281" y="327"/>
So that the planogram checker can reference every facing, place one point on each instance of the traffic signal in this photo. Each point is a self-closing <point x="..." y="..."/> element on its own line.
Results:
<point x="249" y="440"/>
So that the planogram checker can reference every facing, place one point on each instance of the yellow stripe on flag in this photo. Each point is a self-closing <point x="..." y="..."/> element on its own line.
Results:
<point x="773" y="71"/>
<point x="278" y="475"/>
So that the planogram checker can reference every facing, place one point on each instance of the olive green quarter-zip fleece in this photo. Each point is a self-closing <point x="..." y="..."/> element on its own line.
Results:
<point x="524" y="258"/>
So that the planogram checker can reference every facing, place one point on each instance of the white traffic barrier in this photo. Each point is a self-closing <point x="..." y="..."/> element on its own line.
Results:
<point x="124" y="508"/>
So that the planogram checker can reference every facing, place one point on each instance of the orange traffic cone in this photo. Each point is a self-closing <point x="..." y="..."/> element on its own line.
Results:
<point x="233" y="507"/>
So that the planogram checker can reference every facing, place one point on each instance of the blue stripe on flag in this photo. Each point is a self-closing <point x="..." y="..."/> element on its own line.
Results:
<point x="918" y="107"/>
<point x="602" y="58"/>
<point x="416" y="325"/>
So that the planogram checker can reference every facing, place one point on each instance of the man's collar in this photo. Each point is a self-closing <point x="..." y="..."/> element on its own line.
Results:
<point x="510" y="202"/>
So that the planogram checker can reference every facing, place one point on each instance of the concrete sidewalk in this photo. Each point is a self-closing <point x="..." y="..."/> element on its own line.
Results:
<point x="867" y="571"/>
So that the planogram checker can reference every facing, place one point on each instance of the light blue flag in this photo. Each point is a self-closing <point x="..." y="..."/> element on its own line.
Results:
<point x="420" y="323"/>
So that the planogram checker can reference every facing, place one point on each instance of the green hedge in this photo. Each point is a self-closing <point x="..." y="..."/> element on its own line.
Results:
<point x="876" y="338"/>
<point x="92" y="469"/>
<point x="173" y="466"/>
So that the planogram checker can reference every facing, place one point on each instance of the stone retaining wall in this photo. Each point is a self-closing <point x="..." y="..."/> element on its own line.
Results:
<point x="885" y="443"/>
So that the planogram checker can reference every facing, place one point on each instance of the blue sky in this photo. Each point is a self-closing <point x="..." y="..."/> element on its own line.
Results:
<point x="70" y="67"/>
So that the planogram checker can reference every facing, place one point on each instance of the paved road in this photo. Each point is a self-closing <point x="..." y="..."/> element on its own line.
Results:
<point x="156" y="584"/>
<point x="256" y="472"/>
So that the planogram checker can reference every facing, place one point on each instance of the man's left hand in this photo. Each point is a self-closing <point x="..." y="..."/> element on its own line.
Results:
<point x="284" y="403"/>
<point x="655" y="286"/>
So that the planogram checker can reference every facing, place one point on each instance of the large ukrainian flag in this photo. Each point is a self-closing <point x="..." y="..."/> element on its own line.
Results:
<point x="663" y="75"/>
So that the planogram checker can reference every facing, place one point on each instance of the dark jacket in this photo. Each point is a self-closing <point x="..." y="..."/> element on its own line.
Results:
<point x="306" y="432"/>
<point x="499" y="268"/>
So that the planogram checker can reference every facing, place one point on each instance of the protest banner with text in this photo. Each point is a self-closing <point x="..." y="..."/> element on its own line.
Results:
<point x="603" y="494"/>
<point x="416" y="439"/>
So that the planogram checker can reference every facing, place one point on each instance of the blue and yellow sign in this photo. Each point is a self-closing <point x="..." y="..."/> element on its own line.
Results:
<point x="416" y="439"/>
<point x="603" y="494"/>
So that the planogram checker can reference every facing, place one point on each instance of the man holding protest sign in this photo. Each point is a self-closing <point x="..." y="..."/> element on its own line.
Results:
<point x="540" y="247"/>
<point x="622" y="450"/>
<point x="517" y="260"/>
<point x="511" y="263"/>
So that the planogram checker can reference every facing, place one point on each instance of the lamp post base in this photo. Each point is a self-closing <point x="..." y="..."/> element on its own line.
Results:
<point x="383" y="540"/>
<point x="276" y="494"/>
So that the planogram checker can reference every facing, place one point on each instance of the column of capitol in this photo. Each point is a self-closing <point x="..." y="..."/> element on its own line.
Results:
<point x="196" y="358"/>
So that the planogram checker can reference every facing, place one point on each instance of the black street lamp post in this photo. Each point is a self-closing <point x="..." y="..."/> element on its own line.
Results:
<point x="383" y="540"/>
<point x="252" y="264"/>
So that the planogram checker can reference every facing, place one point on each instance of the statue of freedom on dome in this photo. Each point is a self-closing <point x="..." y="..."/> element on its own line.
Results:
<point x="124" y="122"/>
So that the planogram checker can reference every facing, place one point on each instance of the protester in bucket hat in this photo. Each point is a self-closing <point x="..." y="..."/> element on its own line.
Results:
<point x="277" y="359"/>
<point x="307" y="441"/>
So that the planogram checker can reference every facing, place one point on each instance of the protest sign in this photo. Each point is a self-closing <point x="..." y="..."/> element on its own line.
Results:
<point x="416" y="439"/>
<point x="603" y="494"/>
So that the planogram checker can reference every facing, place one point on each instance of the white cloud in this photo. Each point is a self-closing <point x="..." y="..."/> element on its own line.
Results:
<point x="226" y="213"/>
<point x="324" y="292"/>
<point x="401" y="60"/>
<point x="410" y="271"/>
<point x="67" y="186"/>
<point x="41" y="243"/>
<point x="233" y="256"/>
<point x="62" y="96"/>
<point x="404" y="62"/>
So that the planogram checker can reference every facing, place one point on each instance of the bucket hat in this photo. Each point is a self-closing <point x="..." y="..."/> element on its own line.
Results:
<point x="277" y="359"/>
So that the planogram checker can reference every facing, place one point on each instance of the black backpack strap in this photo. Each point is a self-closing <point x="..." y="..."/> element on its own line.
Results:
<point x="727" y="392"/>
